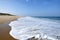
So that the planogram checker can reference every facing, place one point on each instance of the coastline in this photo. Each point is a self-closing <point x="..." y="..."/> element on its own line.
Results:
<point x="5" y="28"/>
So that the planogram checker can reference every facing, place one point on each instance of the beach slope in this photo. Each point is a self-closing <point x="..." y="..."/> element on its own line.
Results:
<point x="5" y="28"/>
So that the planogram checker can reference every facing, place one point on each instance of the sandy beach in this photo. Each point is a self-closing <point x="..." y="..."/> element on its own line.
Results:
<point x="5" y="28"/>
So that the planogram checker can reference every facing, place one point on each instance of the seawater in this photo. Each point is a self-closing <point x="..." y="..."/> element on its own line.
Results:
<point x="40" y="27"/>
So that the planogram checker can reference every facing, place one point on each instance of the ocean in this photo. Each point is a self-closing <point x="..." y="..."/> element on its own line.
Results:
<point x="53" y="18"/>
<point x="47" y="28"/>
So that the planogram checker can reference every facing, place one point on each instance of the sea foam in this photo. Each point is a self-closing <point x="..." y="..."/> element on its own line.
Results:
<point x="27" y="27"/>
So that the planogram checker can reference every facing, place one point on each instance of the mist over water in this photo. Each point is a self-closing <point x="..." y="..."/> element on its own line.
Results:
<point x="27" y="27"/>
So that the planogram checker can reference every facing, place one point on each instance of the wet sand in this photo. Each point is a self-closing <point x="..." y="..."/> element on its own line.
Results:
<point x="5" y="28"/>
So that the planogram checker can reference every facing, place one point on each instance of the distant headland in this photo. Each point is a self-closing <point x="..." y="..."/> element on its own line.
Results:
<point x="6" y="14"/>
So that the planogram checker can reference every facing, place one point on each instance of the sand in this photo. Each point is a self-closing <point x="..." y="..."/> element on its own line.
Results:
<point x="7" y="18"/>
<point x="5" y="28"/>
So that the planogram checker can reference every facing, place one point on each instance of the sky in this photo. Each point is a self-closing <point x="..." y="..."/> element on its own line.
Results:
<point x="31" y="7"/>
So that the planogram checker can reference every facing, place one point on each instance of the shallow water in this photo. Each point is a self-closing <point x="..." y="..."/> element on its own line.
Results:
<point x="27" y="27"/>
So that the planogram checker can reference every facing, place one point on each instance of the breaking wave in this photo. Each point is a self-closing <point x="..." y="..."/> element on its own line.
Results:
<point x="27" y="27"/>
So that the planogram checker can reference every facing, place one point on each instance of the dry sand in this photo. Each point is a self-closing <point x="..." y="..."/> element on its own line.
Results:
<point x="5" y="28"/>
<point x="7" y="18"/>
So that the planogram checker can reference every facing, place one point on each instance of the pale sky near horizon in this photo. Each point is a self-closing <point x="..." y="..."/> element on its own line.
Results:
<point x="31" y="7"/>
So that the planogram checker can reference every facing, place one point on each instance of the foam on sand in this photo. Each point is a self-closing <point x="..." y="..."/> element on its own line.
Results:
<point x="27" y="27"/>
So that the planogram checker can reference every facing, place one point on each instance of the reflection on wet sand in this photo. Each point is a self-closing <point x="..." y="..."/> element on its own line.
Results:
<point x="4" y="27"/>
<point x="4" y="32"/>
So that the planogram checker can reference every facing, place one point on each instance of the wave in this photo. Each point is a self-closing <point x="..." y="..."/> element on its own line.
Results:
<point x="27" y="27"/>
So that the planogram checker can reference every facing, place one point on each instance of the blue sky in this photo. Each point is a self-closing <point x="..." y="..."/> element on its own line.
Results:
<point x="31" y="7"/>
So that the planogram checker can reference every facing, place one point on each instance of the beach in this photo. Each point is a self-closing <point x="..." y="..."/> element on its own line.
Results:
<point x="46" y="27"/>
<point x="5" y="28"/>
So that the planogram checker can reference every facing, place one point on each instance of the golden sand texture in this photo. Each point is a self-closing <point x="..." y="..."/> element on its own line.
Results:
<point x="7" y="18"/>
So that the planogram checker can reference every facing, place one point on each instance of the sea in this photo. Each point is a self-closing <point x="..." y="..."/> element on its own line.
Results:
<point x="52" y="18"/>
<point x="47" y="28"/>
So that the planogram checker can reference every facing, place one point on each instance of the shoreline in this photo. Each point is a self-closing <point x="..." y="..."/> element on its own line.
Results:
<point x="5" y="28"/>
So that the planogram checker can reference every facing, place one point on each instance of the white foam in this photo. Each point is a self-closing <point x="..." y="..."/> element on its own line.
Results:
<point x="27" y="27"/>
